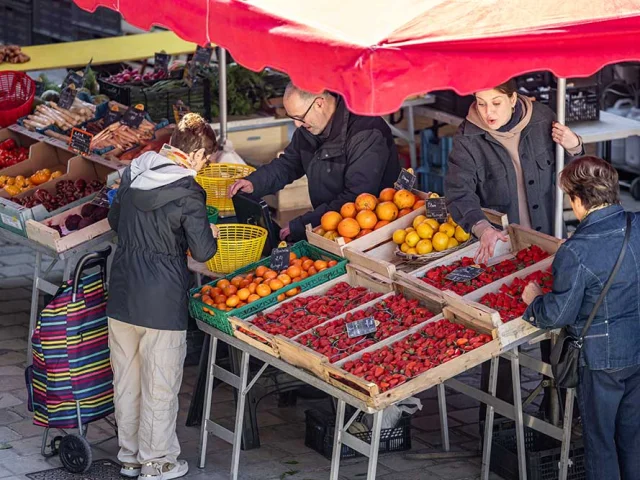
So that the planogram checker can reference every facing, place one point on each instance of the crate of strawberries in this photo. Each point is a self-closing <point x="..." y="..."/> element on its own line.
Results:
<point x="330" y="341"/>
<point x="306" y="310"/>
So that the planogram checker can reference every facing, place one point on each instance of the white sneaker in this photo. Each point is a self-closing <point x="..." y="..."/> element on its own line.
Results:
<point x="131" y="470"/>
<point x="167" y="471"/>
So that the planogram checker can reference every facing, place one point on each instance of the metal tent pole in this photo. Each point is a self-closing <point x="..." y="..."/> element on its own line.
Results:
<point x="560" y="106"/>
<point x="222" y="81"/>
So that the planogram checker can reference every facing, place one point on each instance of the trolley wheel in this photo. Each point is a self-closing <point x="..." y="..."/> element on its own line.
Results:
<point x="635" y="188"/>
<point x="75" y="453"/>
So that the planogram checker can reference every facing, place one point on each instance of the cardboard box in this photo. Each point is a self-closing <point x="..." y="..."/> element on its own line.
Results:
<point x="41" y="155"/>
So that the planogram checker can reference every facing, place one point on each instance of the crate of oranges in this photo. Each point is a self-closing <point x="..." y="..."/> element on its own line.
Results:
<point x="256" y="287"/>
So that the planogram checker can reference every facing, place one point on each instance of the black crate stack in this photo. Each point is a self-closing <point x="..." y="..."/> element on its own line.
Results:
<point x="15" y="22"/>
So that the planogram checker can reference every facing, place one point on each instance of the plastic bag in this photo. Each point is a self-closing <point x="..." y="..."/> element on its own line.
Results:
<point x="391" y="415"/>
<point x="228" y="155"/>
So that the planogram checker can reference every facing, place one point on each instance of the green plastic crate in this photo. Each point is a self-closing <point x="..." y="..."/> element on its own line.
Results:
<point x="212" y="214"/>
<point x="220" y="320"/>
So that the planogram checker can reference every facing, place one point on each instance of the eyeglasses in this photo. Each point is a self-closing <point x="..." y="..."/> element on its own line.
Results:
<point x="301" y="119"/>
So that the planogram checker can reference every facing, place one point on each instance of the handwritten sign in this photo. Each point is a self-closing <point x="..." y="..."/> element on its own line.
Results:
<point x="203" y="55"/>
<point x="80" y="141"/>
<point x="406" y="180"/>
<point x="161" y="62"/>
<point x="464" y="274"/>
<point x="133" y="117"/>
<point x="112" y="116"/>
<point x="74" y="79"/>
<point x="67" y="97"/>
<point x="437" y="209"/>
<point x="280" y="258"/>
<point x="361" y="327"/>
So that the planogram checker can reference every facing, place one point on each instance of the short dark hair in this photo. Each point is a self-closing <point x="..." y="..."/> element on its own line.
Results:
<point x="508" y="88"/>
<point x="194" y="133"/>
<point x="591" y="179"/>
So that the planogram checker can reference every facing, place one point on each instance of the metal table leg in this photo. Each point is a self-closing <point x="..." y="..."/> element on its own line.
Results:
<point x="375" y="445"/>
<point x="337" y="440"/>
<point x="488" y="423"/>
<point x="517" y="403"/>
<point x="204" y="433"/>
<point x="444" y="422"/>
<point x="237" y="432"/>
<point x="566" y="434"/>
<point x="33" y="315"/>
<point x="411" y="138"/>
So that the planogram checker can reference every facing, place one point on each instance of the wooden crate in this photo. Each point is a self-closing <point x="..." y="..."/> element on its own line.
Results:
<point x="369" y="392"/>
<point x="518" y="239"/>
<point x="382" y="258"/>
<point x="266" y="341"/>
<point x="509" y="334"/>
<point x="308" y="359"/>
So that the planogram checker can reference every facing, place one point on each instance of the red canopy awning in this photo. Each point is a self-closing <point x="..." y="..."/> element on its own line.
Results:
<point x="376" y="53"/>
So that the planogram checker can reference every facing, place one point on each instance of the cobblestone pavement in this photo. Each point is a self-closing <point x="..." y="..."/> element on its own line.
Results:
<point x="282" y="455"/>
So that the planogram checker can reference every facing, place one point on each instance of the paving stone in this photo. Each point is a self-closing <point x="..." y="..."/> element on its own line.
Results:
<point x="15" y="294"/>
<point x="12" y="358"/>
<point x="4" y="473"/>
<point x="472" y="430"/>
<point x="18" y="270"/>
<point x="7" y="417"/>
<point x="13" y="249"/>
<point x="16" y="281"/>
<point x="7" y="435"/>
<point x="11" y="319"/>
<point x="11" y="370"/>
<point x="430" y="423"/>
<point x="460" y="402"/>
<point x="467" y="416"/>
<point x="16" y="344"/>
<point x="456" y="470"/>
<point x="7" y="400"/>
<point x="397" y="462"/>
<point x="19" y="259"/>
<point x="15" y="306"/>
<point x="434" y="439"/>
<point x="34" y="463"/>
<point x="24" y="427"/>
<point x="358" y="471"/>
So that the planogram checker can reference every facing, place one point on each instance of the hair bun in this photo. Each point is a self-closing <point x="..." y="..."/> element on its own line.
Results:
<point x="191" y="121"/>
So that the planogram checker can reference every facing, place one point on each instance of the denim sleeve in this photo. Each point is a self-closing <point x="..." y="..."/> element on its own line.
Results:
<point x="560" y="307"/>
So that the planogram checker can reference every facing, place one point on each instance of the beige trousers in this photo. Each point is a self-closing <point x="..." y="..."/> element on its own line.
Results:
<point x="147" y="374"/>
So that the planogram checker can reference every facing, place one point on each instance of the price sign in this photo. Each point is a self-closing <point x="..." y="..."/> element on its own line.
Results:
<point x="74" y="79"/>
<point x="67" y="97"/>
<point x="280" y="258"/>
<point x="361" y="327"/>
<point x="112" y="116"/>
<point x="464" y="274"/>
<point x="406" y="180"/>
<point x="437" y="208"/>
<point x="203" y="55"/>
<point x="161" y="62"/>
<point x="133" y="117"/>
<point x="80" y="141"/>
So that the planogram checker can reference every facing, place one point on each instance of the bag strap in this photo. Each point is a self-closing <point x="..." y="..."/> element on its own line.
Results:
<point x="607" y="285"/>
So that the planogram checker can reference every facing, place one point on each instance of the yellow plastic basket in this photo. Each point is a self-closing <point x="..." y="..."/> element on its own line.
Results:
<point x="216" y="180"/>
<point x="238" y="245"/>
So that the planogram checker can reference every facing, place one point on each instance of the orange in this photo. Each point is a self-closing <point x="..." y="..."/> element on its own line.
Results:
<point x="307" y="264"/>
<point x="312" y="271"/>
<point x="281" y="297"/>
<point x="270" y="275"/>
<point x="304" y="275"/>
<point x="222" y="284"/>
<point x="294" y="271"/>
<point x="387" y="211"/>
<point x="235" y="281"/>
<point x="348" y="210"/>
<point x="366" y="201"/>
<point x="284" y="278"/>
<point x="243" y="294"/>
<point x="261" y="270"/>
<point x="253" y="297"/>
<point x="208" y="300"/>
<point x="348" y="228"/>
<point x="258" y="280"/>
<point x="440" y="241"/>
<point x="319" y="231"/>
<point x="215" y="291"/>
<point x="418" y="204"/>
<point x="347" y="240"/>
<point x="292" y="256"/>
<point x="364" y="232"/>
<point x="387" y="194"/>
<point x="318" y="264"/>
<point x="275" y="284"/>
<point x="205" y="289"/>
<point x="233" y="301"/>
<point x="404" y="199"/>
<point x="241" y="304"/>
<point x="252" y="288"/>
<point x="263" y="290"/>
<point x="244" y="283"/>
<point x="222" y="307"/>
<point x="220" y="299"/>
<point x="330" y="221"/>
<point x="230" y="290"/>
<point x="381" y="223"/>
<point x="331" y="263"/>
<point x="367" y="219"/>
<point x="292" y="292"/>
<point x="404" y="211"/>
<point x="332" y="235"/>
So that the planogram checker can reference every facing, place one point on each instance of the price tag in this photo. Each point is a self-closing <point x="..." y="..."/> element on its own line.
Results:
<point x="133" y="116"/>
<point x="67" y="97"/>
<point x="74" y="79"/>
<point x="406" y="180"/>
<point x="361" y="327"/>
<point x="203" y="55"/>
<point x="112" y="116"/>
<point x="437" y="208"/>
<point x="464" y="274"/>
<point x="161" y="62"/>
<point x="280" y="258"/>
<point x="80" y="141"/>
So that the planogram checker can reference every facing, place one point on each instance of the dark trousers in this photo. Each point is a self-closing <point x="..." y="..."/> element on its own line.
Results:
<point x="610" y="405"/>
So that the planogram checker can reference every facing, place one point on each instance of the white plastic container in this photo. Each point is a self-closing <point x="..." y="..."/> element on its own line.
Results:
<point x="618" y="147"/>
<point x="632" y="144"/>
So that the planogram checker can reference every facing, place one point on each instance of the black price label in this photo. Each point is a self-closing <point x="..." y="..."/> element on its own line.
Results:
<point x="280" y="258"/>
<point x="74" y="79"/>
<point x="80" y="141"/>
<point x="112" y="116"/>
<point x="406" y="180"/>
<point x="203" y="55"/>
<point x="133" y="117"/>
<point x="161" y="62"/>
<point x="361" y="327"/>
<point x="464" y="274"/>
<point x="437" y="209"/>
<point x="67" y="97"/>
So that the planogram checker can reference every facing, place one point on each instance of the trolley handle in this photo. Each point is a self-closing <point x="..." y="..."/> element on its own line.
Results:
<point x="88" y="261"/>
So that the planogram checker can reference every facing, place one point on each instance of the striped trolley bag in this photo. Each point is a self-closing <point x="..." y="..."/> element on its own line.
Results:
<point x="71" y="381"/>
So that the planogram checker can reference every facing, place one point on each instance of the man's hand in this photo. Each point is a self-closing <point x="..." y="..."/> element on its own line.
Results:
<point x="531" y="292"/>
<point x="284" y="233"/>
<point x="215" y="231"/>
<point x="488" y="242"/>
<point x="240" y="185"/>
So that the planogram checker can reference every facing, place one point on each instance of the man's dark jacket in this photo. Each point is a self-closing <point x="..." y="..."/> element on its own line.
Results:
<point x="354" y="155"/>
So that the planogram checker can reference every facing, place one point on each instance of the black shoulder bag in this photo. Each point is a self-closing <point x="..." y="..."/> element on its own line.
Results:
<point x="565" y="354"/>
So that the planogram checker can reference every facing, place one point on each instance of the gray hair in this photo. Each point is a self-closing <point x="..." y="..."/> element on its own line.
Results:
<point x="592" y="180"/>
<point x="303" y="94"/>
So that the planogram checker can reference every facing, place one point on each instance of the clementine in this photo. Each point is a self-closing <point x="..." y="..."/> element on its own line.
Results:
<point x="284" y="278"/>
<point x="319" y="264"/>
<point x="418" y="204"/>
<point x="275" y="284"/>
<point x="243" y="294"/>
<point x="281" y="297"/>
<point x="403" y="212"/>
<point x="263" y="290"/>
<point x="387" y="194"/>
<point x="253" y="297"/>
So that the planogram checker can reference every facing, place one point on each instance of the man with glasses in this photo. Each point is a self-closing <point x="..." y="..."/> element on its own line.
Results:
<point x="342" y="155"/>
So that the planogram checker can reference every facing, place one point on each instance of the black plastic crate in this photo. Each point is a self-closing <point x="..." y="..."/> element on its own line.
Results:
<point x="450" y="102"/>
<point x="103" y="20"/>
<point x="80" y="34"/>
<point x="52" y="18"/>
<point x="319" y="433"/>
<point x="582" y="103"/>
<point x="38" y="39"/>
<point x="15" y="26"/>
<point x="543" y="454"/>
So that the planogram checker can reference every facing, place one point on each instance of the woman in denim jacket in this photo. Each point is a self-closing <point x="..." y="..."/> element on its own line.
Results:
<point x="609" y="389"/>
